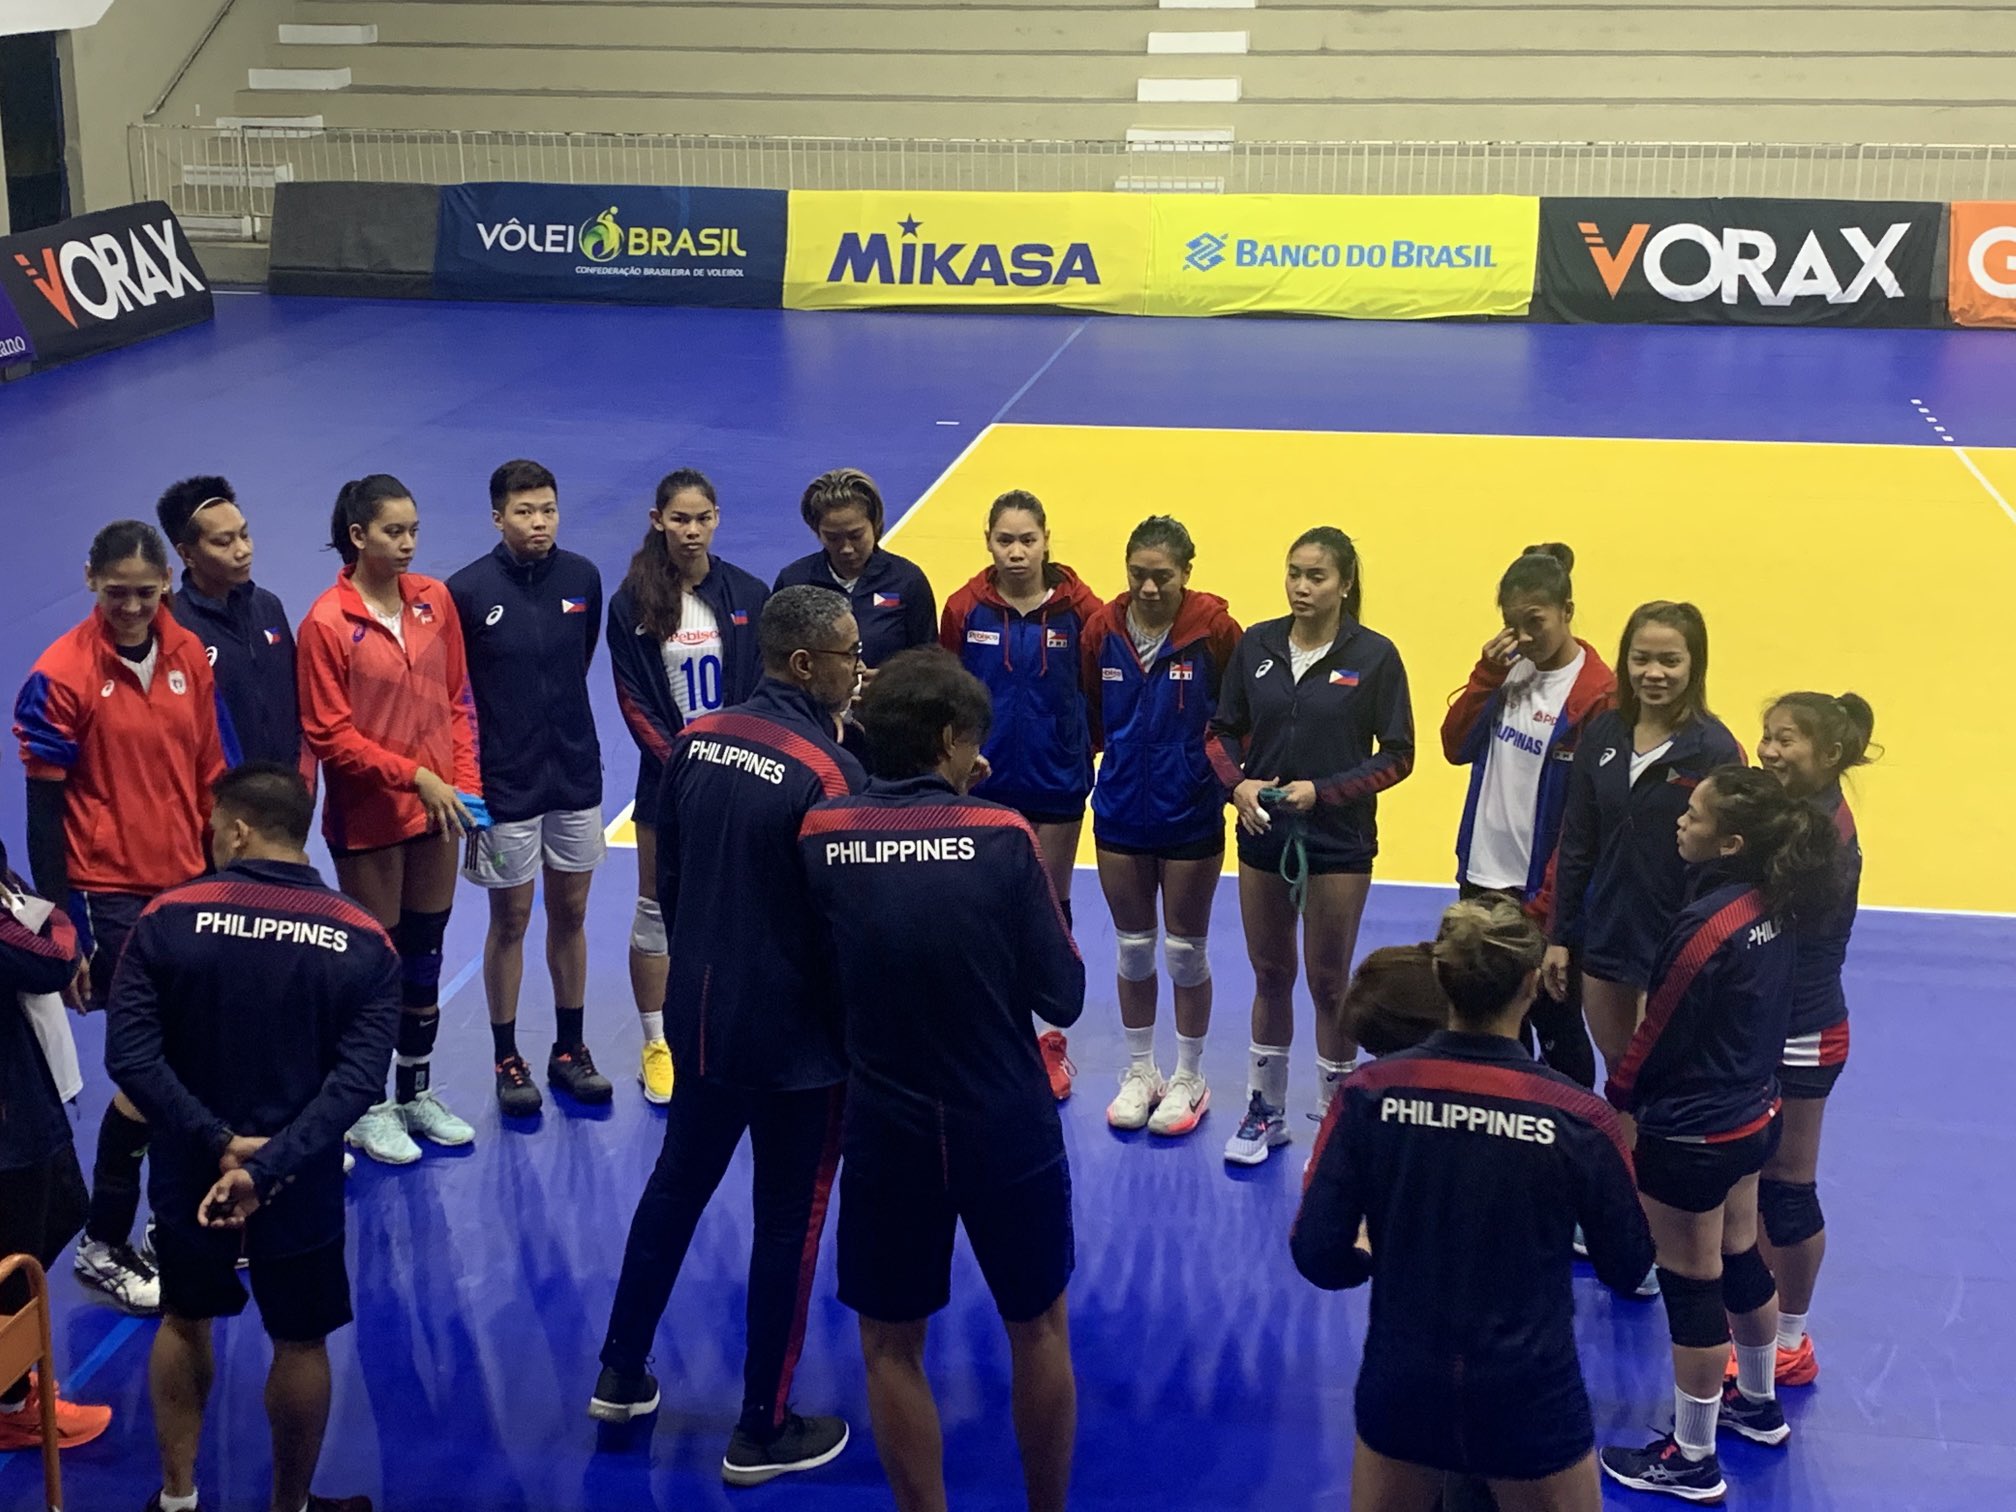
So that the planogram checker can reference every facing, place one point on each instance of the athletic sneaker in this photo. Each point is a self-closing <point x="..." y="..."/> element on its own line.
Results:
<point x="75" y="1423"/>
<point x="121" y="1274"/>
<point x="1649" y="1287"/>
<point x="517" y="1097"/>
<point x="803" y="1443"/>
<point x="619" y="1398"/>
<point x="349" y="1162"/>
<point x="573" y="1072"/>
<point x="1140" y="1090"/>
<point x="1579" y="1244"/>
<point x="381" y="1134"/>
<point x="1660" y="1466"/>
<point x="1794" y="1367"/>
<point x="147" y="1243"/>
<point x="428" y="1117"/>
<point x="1760" y="1422"/>
<point x="1183" y="1105"/>
<point x="1259" y="1132"/>
<point x="656" y="1072"/>
<point x="1057" y="1063"/>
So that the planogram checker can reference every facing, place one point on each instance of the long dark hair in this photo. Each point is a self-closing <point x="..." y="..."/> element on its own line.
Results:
<point x="1693" y="630"/>
<point x="1790" y="853"/>
<point x="358" y="502"/>
<point x="652" y="583"/>
<point x="1344" y="554"/>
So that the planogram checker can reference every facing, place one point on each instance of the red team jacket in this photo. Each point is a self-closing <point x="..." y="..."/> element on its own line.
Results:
<point x="374" y="713"/>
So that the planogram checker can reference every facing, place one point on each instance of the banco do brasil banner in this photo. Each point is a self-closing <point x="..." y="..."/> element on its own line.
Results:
<point x="1078" y="251"/>
<point x="1371" y="256"/>
<point x="647" y="245"/>
<point x="1981" y="278"/>
<point x="1740" y="261"/>
<point x="99" y="281"/>
<point x="16" y="347"/>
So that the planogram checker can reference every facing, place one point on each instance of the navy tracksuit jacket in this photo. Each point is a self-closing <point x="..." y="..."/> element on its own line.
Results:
<point x="259" y="1002"/>
<point x="644" y="692"/>
<point x="750" y="1000"/>
<point x="250" y="644"/>
<point x="1703" y="1066"/>
<point x="1470" y="1165"/>
<point x="529" y="630"/>
<point x="1618" y="876"/>
<point x="1819" y="1006"/>
<point x="892" y="601"/>
<point x="948" y="937"/>
<point x="33" y="1126"/>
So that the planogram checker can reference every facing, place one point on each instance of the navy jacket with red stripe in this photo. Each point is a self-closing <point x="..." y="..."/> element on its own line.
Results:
<point x="32" y="962"/>
<point x="1703" y="1065"/>
<point x="1818" y="1001"/>
<point x="1470" y="1165"/>
<point x="948" y="937"/>
<point x="256" y="1002"/>
<point x="750" y="1000"/>
<point x="892" y="600"/>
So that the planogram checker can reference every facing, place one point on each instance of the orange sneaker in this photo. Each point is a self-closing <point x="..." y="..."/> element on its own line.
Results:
<point x="75" y="1423"/>
<point x="1056" y="1062"/>
<point x="1794" y="1367"/>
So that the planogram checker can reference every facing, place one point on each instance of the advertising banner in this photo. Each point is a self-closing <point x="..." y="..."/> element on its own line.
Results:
<point x="15" y="345"/>
<point x="648" y="245"/>
<point x="859" y="250"/>
<point x="1981" y="265"/>
<point x="1375" y="257"/>
<point x="102" y="280"/>
<point x="1739" y="261"/>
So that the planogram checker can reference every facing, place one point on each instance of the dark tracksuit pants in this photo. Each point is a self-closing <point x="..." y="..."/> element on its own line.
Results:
<point x="795" y="1141"/>
<point x="1557" y="1025"/>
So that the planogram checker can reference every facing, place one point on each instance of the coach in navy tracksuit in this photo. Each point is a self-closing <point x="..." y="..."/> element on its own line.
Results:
<point x="890" y="595"/>
<point x="245" y="630"/>
<point x="753" y="1024"/>
<point x="252" y="1020"/>
<point x="948" y="937"/>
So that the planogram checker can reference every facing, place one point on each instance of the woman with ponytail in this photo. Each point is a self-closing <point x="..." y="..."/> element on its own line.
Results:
<point x="1701" y="1077"/>
<point x="1313" y="723"/>
<point x="386" y="708"/>
<point x="1516" y="725"/>
<point x="682" y="642"/>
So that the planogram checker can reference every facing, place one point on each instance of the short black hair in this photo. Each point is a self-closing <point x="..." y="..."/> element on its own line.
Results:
<point x="269" y="796"/>
<point x="794" y="619"/>
<point x="176" y="509"/>
<point x="918" y="694"/>
<point x="520" y="476"/>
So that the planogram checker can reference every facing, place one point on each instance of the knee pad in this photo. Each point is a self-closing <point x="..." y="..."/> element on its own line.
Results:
<point x="1188" y="964"/>
<point x="417" y="937"/>
<point x="1747" y="1282"/>
<point x="416" y="1037"/>
<point x="647" y="929"/>
<point x="1790" y="1210"/>
<point x="1694" y="1315"/>
<point x="1134" y="955"/>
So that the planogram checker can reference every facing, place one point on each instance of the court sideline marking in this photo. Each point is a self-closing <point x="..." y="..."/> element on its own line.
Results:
<point x="1966" y="461"/>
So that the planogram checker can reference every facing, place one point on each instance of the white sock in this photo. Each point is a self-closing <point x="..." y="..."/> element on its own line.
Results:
<point x="1267" y="1074"/>
<point x="1694" y="1423"/>
<point x="1140" y="1046"/>
<point x="1189" y="1055"/>
<point x="20" y="1406"/>
<point x="177" y="1503"/>
<point x="1756" y="1366"/>
<point x="1329" y="1076"/>
<point x="654" y="1027"/>
<point x="1791" y="1329"/>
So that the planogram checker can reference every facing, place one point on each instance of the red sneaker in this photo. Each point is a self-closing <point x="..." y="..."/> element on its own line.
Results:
<point x="1794" y="1367"/>
<point x="1056" y="1062"/>
<point x="75" y="1423"/>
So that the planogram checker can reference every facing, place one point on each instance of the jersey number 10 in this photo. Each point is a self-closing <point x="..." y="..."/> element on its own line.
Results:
<point x="703" y="682"/>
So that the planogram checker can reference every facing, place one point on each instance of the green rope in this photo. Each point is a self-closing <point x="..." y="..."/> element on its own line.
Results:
<point x="1294" y="846"/>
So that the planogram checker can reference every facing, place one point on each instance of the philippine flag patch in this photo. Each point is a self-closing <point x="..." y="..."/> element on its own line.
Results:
<point x="1343" y="679"/>
<point x="888" y="601"/>
<point x="738" y="616"/>
<point x="274" y="637"/>
<point x="573" y="606"/>
<point x="423" y="611"/>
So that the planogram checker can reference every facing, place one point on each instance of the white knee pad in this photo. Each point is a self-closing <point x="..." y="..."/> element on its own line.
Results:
<point x="647" y="929"/>
<point x="1189" y="965"/>
<point x="1135" y="954"/>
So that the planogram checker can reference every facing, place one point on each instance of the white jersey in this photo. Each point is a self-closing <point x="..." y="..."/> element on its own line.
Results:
<point x="1508" y="802"/>
<point x="693" y="659"/>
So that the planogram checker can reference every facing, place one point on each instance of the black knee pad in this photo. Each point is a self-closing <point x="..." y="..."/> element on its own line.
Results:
<point x="1694" y="1315"/>
<point x="1790" y="1210"/>
<point x="1747" y="1282"/>
<point x="417" y="937"/>
<point x="416" y="1035"/>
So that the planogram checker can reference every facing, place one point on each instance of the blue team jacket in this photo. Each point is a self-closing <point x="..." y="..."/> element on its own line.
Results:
<point x="1703" y="1066"/>
<point x="750" y="999"/>
<point x="1619" y="879"/>
<point x="892" y="600"/>
<point x="529" y="629"/>
<point x="1818" y="1001"/>
<point x="1156" y="787"/>
<point x="644" y="693"/>
<point x="250" y="645"/>
<point x="947" y="937"/>
<point x="1041" y="745"/>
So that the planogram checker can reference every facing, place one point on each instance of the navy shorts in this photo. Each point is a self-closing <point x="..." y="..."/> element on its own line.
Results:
<point x="1326" y="859"/>
<point x="1052" y="816"/>
<point x="302" y="1298"/>
<point x="1515" y="1429"/>
<point x="1698" y="1178"/>
<point x="896" y="1243"/>
<point x="104" y="920"/>
<point x="1210" y="848"/>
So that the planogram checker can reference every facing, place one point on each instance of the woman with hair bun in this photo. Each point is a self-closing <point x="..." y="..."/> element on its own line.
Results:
<point x="890" y="595"/>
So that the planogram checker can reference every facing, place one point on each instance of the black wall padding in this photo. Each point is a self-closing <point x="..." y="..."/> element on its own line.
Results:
<point x="361" y="240"/>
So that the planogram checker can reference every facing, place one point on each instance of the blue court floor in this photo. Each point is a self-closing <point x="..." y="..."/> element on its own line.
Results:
<point x="1211" y="1376"/>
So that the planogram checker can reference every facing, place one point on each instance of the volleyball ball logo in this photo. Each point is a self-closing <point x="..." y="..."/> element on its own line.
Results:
<point x="602" y="238"/>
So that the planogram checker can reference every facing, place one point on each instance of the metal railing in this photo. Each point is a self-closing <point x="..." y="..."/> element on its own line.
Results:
<point x="221" y="180"/>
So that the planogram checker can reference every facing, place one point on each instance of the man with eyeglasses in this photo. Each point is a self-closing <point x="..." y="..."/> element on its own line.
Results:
<point x="752" y="1014"/>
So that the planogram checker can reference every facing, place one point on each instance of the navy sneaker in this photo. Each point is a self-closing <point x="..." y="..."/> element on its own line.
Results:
<point x="1760" y="1422"/>
<point x="1661" y="1467"/>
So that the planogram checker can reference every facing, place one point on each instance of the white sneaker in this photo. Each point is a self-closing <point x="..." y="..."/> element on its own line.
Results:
<point x="429" y="1118"/>
<point x="1259" y="1132"/>
<point x="1183" y="1104"/>
<point x="121" y="1274"/>
<point x="1579" y="1244"/>
<point x="1140" y="1090"/>
<point x="381" y="1134"/>
<point x="349" y="1162"/>
<point x="1649" y="1287"/>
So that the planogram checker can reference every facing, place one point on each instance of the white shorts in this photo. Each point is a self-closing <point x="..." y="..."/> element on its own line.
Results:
<point x="510" y="855"/>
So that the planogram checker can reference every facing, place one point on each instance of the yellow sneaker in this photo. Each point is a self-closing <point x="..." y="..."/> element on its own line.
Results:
<point x="656" y="1071"/>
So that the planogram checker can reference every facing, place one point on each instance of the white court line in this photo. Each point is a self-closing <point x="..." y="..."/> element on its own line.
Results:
<point x="938" y="482"/>
<point x="1982" y="478"/>
<point x="1296" y="430"/>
